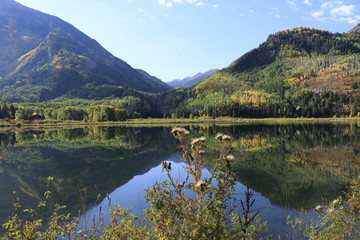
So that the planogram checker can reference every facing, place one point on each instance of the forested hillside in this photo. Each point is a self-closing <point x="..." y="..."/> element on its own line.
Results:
<point x="300" y="72"/>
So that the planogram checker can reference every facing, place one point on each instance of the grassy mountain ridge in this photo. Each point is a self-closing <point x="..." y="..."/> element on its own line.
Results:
<point x="44" y="57"/>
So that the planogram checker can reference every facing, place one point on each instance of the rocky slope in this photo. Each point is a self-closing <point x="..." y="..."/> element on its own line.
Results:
<point x="44" y="57"/>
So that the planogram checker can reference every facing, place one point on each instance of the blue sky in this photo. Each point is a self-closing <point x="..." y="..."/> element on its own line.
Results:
<point x="173" y="39"/>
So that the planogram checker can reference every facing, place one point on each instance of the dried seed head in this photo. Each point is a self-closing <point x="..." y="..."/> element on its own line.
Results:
<point x="164" y="165"/>
<point x="198" y="140"/>
<point x="179" y="185"/>
<point x="222" y="137"/>
<point x="226" y="138"/>
<point x="180" y="131"/>
<point x="219" y="136"/>
<point x="318" y="208"/>
<point x="201" y="152"/>
<point x="200" y="184"/>
<point x="195" y="141"/>
<point x="230" y="158"/>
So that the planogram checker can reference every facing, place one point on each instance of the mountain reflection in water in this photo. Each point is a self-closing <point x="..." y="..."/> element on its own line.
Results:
<point x="292" y="168"/>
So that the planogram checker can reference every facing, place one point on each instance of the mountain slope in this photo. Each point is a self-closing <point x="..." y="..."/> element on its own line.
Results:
<point x="355" y="29"/>
<point x="155" y="79"/>
<point x="44" y="57"/>
<point x="298" y="58"/>
<point x="295" y="43"/>
<point x="299" y="72"/>
<point x="191" y="81"/>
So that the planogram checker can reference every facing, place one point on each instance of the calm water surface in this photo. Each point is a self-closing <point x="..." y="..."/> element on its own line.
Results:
<point x="291" y="168"/>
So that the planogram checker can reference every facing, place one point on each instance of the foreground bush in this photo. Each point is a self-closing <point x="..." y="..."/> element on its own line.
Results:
<point x="196" y="208"/>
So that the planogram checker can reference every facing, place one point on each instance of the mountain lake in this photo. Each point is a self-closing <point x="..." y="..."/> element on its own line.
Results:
<point x="290" y="168"/>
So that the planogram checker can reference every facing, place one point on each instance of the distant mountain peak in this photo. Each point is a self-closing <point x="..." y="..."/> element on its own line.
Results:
<point x="191" y="81"/>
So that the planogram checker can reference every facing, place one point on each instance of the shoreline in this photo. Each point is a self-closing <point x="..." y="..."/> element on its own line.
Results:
<point x="20" y="125"/>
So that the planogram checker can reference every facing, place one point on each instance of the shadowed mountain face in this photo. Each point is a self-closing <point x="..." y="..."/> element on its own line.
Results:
<point x="49" y="57"/>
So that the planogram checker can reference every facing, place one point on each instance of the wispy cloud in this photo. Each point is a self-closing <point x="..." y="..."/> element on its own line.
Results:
<point x="307" y="2"/>
<point x="161" y="2"/>
<point x="336" y="11"/>
<point x="275" y="12"/>
<point x="197" y="3"/>
<point x="345" y="10"/>
<point x="317" y="14"/>
<point x="292" y="4"/>
<point x="166" y="3"/>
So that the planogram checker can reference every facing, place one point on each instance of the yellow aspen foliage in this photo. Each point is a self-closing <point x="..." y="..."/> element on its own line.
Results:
<point x="251" y="98"/>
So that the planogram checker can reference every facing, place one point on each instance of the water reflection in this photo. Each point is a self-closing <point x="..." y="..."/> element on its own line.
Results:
<point x="294" y="167"/>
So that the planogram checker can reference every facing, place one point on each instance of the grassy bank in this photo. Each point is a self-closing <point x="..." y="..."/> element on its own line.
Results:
<point x="20" y="124"/>
<point x="243" y="120"/>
